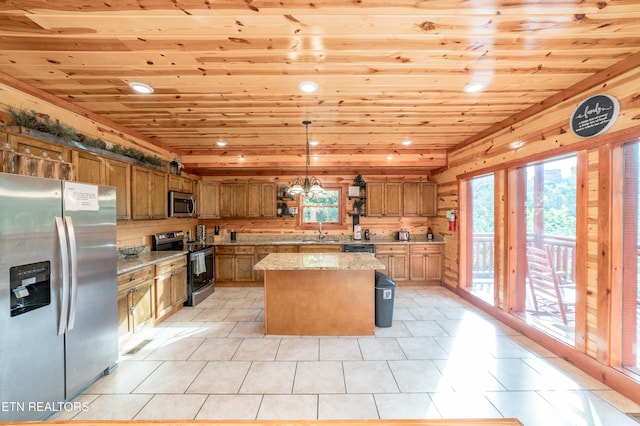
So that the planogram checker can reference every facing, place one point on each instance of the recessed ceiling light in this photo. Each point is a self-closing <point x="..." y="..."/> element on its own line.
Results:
<point x="313" y="142"/>
<point x="241" y="157"/>
<point x="389" y="157"/>
<point x="220" y="142"/>
<point x="406" y="142"/>
<point x="516" y="144"/>
<point x="474" y="87"/>
<point x="141" y="87"/>
<point x="308" y="86"/>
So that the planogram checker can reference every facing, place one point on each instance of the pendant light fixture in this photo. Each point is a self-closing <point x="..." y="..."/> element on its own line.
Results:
<point x="309" y="187"/>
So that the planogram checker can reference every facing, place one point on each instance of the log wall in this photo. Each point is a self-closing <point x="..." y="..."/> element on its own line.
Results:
<point x="546" y="135"/>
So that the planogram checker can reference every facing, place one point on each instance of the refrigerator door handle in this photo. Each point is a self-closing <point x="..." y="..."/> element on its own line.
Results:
<point x="64" y="254"/>
<point x="73" y="283"/>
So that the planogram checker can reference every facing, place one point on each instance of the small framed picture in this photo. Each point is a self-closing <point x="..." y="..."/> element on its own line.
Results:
<point x="354" y="191"/>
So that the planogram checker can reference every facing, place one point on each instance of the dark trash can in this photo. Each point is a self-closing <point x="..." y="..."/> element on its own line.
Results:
<point x="385" y="296"/>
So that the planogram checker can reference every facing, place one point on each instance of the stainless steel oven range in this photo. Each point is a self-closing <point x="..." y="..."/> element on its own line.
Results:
<point x="200" y="263"/>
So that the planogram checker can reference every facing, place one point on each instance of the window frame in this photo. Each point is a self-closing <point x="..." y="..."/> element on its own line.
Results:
<point x="325" y="225"/>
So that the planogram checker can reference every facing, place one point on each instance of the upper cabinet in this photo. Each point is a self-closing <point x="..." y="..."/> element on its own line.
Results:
<point x="181" y="184"/>
<point x="428" y="199"/>
<point x="118" y="174"/>
<point x="233" y="200"/>
<point x="384" y="199"/>
<point x="209" y="196"/>
<point x="261" y="200"/>
<point x="149" y="193"/>
<point x="89" y="167"/>
<point x="420" y="199"/>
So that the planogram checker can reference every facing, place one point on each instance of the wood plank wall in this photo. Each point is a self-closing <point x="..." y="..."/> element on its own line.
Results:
<point x="547" y="134"/>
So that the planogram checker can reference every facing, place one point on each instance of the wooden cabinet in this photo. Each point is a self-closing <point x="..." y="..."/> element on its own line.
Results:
<point x="261" y="199"/>
<point x="425" y="263"/>
<point x="287" y="248"/>
<point x="209" y="200"/>
<point x="411" y="199"/>
<point x="233" y="200"/>
<point x="429" y="199"/>
<point x="395" y="259"/>
<point x="135" y="301"/>
<point x="384" y="199"/>
<point x="140" y="197"/>
<point x="118" y="175"/>
<point x="180" y="184"/>
<point x="149" y="193"/>
<point x="170" y="286"/>
<point x="420" y="199"/>
<point x="89" y="167"/>
<point x="261" y="253"/>
<point x="320" y="248"/>
<point x="235" y="263"/>
<point x="159" y="195"/>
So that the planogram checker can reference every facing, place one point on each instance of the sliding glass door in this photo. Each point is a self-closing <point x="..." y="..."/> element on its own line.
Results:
<point x="546" y="241"/>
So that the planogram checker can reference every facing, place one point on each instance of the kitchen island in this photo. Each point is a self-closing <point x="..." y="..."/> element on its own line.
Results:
<point x="319" y="294"/>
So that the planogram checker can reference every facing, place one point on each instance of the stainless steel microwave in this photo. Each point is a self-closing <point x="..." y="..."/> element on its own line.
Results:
<point x="181" y="204"/>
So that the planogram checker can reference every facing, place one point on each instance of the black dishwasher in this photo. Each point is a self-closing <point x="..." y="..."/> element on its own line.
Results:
<point x="359" y="248"/>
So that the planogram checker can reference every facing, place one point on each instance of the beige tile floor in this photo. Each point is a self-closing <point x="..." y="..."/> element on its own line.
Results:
<point x="442" y="358"/>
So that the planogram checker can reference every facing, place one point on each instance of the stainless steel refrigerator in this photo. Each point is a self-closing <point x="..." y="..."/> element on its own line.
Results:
<point x="58" y="292"/>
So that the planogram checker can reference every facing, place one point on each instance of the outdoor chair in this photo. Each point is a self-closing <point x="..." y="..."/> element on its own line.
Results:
<point x="549" y="288"/>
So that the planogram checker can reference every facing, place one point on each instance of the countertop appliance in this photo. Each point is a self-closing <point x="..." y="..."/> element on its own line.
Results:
<point x="58" y="292"/>
<point x="403" y="235"/>
<point x="359" y="248"/>
<point x="181" y="204"/>
<point x="200" y="263"/>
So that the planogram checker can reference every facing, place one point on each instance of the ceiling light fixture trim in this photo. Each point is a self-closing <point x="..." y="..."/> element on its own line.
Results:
<point x="141" y="87"/>
<point x="308" y="86"/>
<point x="474" y="87"/>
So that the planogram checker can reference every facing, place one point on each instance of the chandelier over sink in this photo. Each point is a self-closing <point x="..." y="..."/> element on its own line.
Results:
<point x="309" y="187"/>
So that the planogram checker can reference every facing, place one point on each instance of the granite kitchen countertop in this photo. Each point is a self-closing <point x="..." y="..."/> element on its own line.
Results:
<point x="248" y="239"/>
<point x="146" y="258"/>
<point x="318" y="261"/>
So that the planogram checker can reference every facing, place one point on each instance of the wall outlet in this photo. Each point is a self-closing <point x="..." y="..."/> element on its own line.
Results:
<point x="144" y="240"/>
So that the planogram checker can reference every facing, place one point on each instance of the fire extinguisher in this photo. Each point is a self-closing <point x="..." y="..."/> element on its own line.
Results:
<point x="452" y="220"/>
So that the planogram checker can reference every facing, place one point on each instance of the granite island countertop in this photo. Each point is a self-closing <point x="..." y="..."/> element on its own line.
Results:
<point x="318" y="261"/>
<point x="146" y="258"/>
<point x="256" y="240"/>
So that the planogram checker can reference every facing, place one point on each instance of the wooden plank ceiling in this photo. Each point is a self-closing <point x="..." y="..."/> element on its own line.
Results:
<point x="387" y="71"/>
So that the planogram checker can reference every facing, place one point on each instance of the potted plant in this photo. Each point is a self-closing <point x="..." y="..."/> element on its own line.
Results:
<point x="360" y="183"/>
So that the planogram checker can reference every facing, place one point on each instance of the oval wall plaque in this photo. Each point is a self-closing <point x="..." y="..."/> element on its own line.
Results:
<point x="594" y="116"/>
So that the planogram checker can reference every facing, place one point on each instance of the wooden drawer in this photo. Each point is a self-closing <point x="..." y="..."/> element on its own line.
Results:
<point x="424" y="248"/>
<point x="171" y="264"/>
<point x="321" y="248"/>
<point x="132" y="278"/>
<point x="245" y="249"/>
<point x="391" y="248"/>
<point x="265" y="249"/>
<point x="225" y="249"/>
<point x="287" y="249"/>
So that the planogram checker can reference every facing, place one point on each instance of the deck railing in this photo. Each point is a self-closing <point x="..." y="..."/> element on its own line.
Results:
<point x="562" y="251"/>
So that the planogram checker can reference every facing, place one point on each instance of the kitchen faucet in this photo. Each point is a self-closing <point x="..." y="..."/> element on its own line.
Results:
<point x="319" y="230"/>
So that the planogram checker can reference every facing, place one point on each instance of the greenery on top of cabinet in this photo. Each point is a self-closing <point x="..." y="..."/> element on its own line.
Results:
<point x="33" y="120"/>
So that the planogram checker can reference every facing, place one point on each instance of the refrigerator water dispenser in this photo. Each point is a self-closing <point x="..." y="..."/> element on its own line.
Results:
<point x="30" y="287"/>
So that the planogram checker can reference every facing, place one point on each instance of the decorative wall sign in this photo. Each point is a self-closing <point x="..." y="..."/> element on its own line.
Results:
<point x="594" y="116"/>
